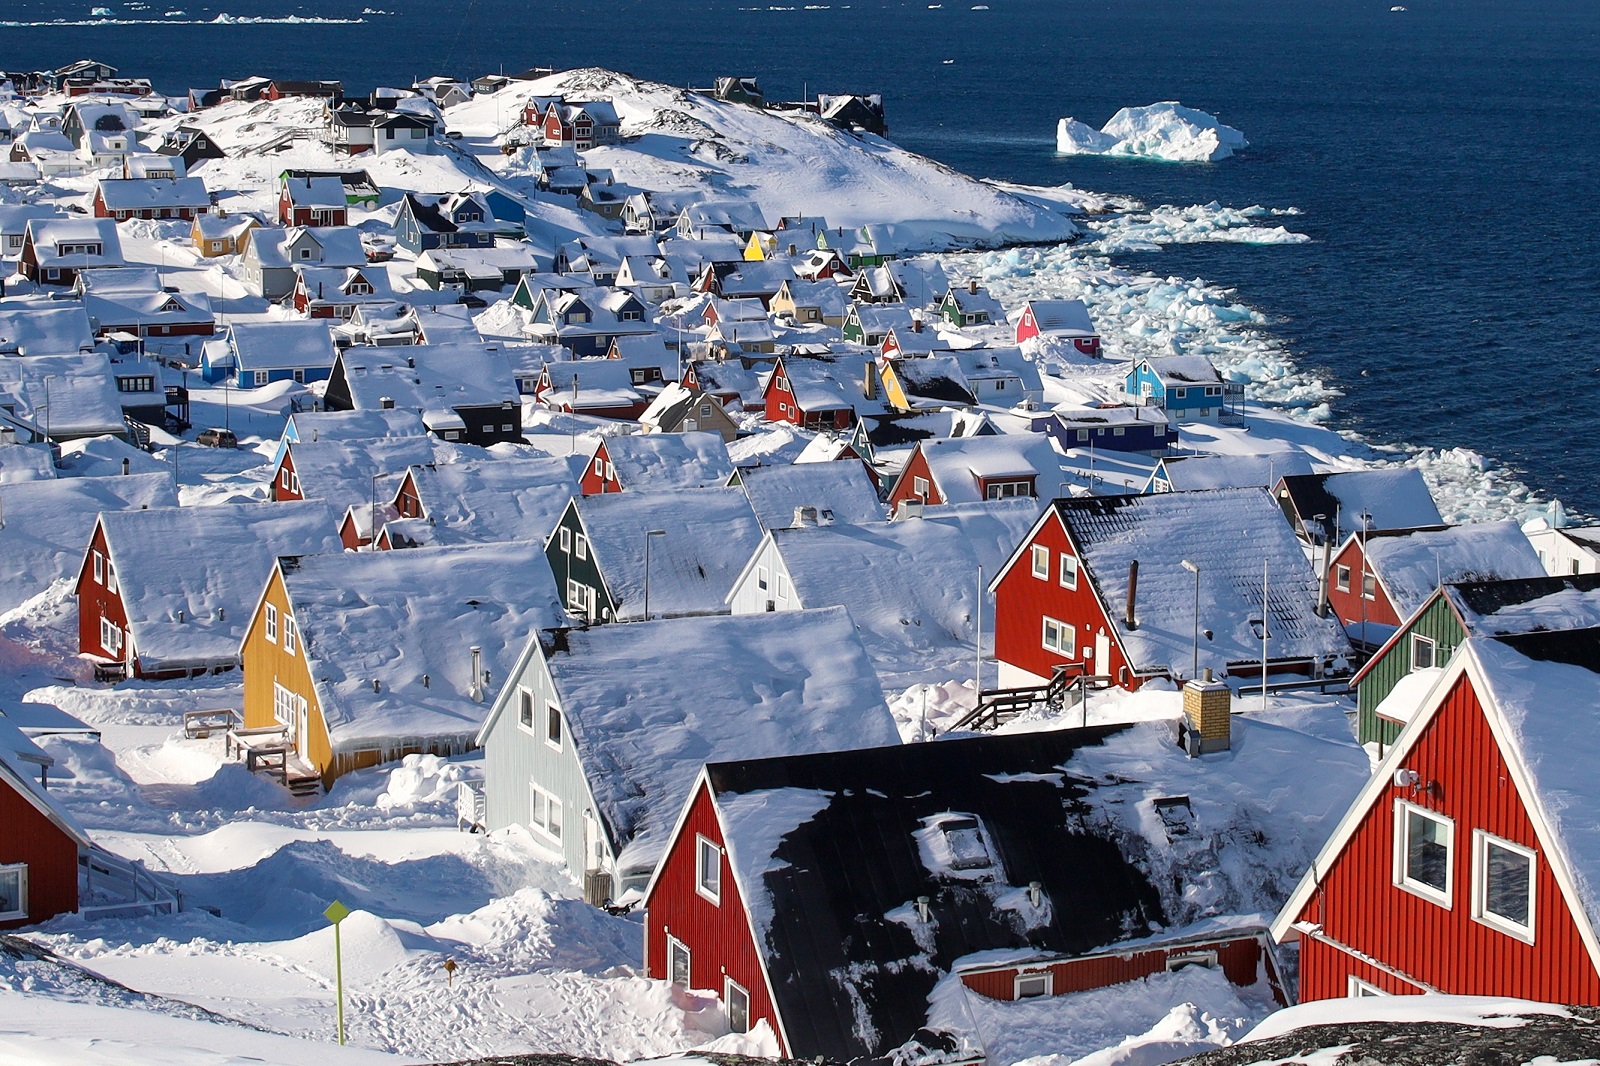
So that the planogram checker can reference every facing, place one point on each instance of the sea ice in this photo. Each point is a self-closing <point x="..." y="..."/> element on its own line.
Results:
<point x="1167" y="131"/>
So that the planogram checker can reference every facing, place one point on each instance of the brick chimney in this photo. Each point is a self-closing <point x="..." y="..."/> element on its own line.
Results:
<point x="1207" y="715"/>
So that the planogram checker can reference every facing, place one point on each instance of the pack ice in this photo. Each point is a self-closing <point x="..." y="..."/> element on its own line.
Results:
<point x="1167" y="131"/>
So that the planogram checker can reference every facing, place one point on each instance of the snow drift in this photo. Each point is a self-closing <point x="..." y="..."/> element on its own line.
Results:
<point x="1167" y="131"/>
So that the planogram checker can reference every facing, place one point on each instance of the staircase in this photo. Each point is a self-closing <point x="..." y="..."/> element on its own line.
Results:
<point x="1000" y="705"/>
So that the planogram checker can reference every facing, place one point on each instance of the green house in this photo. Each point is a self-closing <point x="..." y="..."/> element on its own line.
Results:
<point x="1385" y="698"/>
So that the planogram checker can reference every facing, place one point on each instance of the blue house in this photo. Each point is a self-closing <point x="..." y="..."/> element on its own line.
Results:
<point x="1187" y="387"/>
<point x="452" y="220"/>
<point x="1114" y="428"/>
<point x="258" y="353"/>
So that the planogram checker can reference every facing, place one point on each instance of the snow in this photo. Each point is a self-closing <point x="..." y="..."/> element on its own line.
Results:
<point x="1412" y="566"/>
<point x="1486" y="1011"/>
<point x="1409" y="694"/>
<point x="756" y="824"/>
<point x="1166" y="131"/>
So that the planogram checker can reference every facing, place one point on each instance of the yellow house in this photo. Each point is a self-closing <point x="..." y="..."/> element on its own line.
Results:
<point x="758" y="247"/>
<point x="214" y="235"/>
<point x="361" y="658"/>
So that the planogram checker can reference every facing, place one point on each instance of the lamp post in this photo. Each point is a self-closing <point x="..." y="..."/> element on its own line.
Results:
<point x="1194" y="569"/>
<point x="47" y="412"/>
<point x="336" y="913"/>
<point x="649" y="534"/>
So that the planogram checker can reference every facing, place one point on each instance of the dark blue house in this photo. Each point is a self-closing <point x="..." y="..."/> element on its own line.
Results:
<point x="452" y="220"/>
<point x="1122" y="429"/>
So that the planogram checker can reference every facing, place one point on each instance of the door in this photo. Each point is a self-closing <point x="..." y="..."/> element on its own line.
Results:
<point x="1102" y="654"/>
<point x="302" y="730"/>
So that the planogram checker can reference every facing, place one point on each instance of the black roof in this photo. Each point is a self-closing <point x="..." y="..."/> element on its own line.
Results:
<point x="1485" y="598"/>
<point x="850" y="981"/>
<point x="1574" y="647"/>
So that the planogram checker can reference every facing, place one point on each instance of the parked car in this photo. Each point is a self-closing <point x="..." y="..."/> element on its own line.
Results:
<point x="218" y="438"/>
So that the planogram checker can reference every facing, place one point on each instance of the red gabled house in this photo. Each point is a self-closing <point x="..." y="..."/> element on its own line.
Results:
<point x="1066" y="319"/>
<point x="1128" y="588"/>
<point x="315" y="201"/>
<point x="975" y="469"/>
<point x="38" y="852"/>
<point x="1468" y="864"/>
<point x="809" y="394"/>
<point x="285" y="481"/>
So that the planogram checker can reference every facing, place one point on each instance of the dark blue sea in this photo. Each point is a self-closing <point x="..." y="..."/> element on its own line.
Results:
<point x="1445" y="157"/>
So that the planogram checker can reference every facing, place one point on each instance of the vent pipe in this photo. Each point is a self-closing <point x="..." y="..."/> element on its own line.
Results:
<point x="869" y="380"/>
<point x="124" y="466"/>
<point x="972" y="286"/>
<point x="1133" y="594"/>
<point x="923" y="912"/>
<point x="477" y="673"/>
<point x="1035" y="890"/>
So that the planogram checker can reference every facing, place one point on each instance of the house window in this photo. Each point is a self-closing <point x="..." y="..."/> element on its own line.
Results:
<point x="261" y="377"/>
<point x="525" y="707"/>
<point x="1069" y="571"/>
<point x="136" y="384"/>
<point x="566" y="539"/>
<point x="272" y="624"/>
<point x="599" y="467"/>
<point x="1031" y="985"/>
<point x="738" y="1003"/>
<point x="507" y="428"/>
<point x="1059" y="637"/>
<point x="1423" y="652"/>
<point x="99" y="568"/>
<point x="300" y="376"/>
<point x="111" y="576"/>
<point x="581" y="545"/>
<point x="1083" y="434"/>
<point x="919" y="488"/>
<point x="1041" y="562"/>
<point x="1369" y="585"/>
<point x="1502" y="885"/>
<point x="544" y="812"/>
<point x="285" y="706"/>
<point x="110" y="636"/>
<point x="577" y="597"/>
<point x="708" y="869"/>
<point x="552" y="726"/>
<point x="1341" y="578"/>
<point x="1356" y="988"/>
<point x="1179" y="394"/>
<point x="288" y="634"/>
<point x="1422" y="853"/>
<point x="13" y="891"/>
<point x="677" y="962"/>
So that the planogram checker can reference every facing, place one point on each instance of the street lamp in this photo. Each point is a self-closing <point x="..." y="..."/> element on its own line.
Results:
<point x="47" y="413"/>
<point x="649" y="534"/>
<point x="1194" y="569"/>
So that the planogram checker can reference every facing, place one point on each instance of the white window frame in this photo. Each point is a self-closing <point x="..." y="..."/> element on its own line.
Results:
<point x="1030" y="976"/>
<point x="1040" y="562"/>
<point x="549" y="827"/>
<point x="1069" y="571"/>
<point x="566" y="539"/>
<point x="290" y="631"/>
<point x="1433" y="651"/>
<point x="1481" y="842"/>
<point x="577" y="595"/>
<point x="1369" y="584"/>
<point x="1356" y="988"/>
<point x="708" y="868"/>
<point x="1341" y="578"/>
<point x="525" y="705"/>
<point x="675" y="946"/>
<point x="919" y="488"/>
<point x="1403" y="809"/>
<point x="285" y="705"/>
<point x="732" y="989"/>
<point x="553" y="724"/>
<point x="271" y="624"/>
<point x="111" y="576"/>
<point x="21" y="910"/>
<point x="99" y="568"/>
<point x="580" y="545"/>
<point x="1068" y="646"/>
<point x="110" y="636"/>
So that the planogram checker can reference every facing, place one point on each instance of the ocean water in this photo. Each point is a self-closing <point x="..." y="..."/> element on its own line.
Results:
<point x="1442" y="158"/>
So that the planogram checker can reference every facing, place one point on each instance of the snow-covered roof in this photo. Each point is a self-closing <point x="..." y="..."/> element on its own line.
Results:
<point x="496" y="499"/>
<point x="1187" y="473"/>
<point x="315" y="192"/>
<point x="743" y="687"/>
<point x="980" y="364"/>
<point x="397" y="617"/>
<point x="37" y="327"/>
<point x="1069" y="317"/>
<point x="1184" y="370"/>
<point x="1228" y="534"/>
<point x="1390" y="498"/>
<point x="47" y="521"/>
<point x="189" y="576"/>
<point x="55" y="241"/>
<point x="958" y="462"/>
<point x="1499" y="608"/>
<point x="339" y="246"/>
<point x="138" y="194"/>
<point x="710" y="534"/>
<point x="660" y="462"/>
<point x="281" y="345"/>
<point x="843" y="490"/>
<point x="433" y="379"/>
<point x="1411" y="564"/>
<point x="70" y="395"/>
<point x="341" y="471"/>
<point x="825" y="385"/>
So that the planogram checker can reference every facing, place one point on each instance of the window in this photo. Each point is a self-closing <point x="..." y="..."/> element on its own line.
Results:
<point x="566" y="539"/>
<point x="272" y="624"/>
<point x="1069" y="571"/>
<point x="1030" y="985"/>
<point x="708" y="869"/>
<point x="1341" y="578"/>
<point x="919" y="488"/>
<point x="285" y="706"/>
<point x="1060" y="637"/>
<point x="110" y="636"/>
<point x="111" y="576"/>
<point x="761" y="578"/>
<point x="611" y="471"/>
<point x="1422" y="858"/>
<point x="261" y="377"/>
<point x="1422" y="652"/>
<point x="552" y="726"/>
<point x="1502" y="885"/>
<point x="1005" y="490"/>
<point x="1083" y="434"/>
<point x="577" y="598"/>
<point x="525" y="707"/>
<point x="1356" y="988"/>
<point x="136" y="383"/>
<point x="13" y="891"/>
<point x="677" y="962"/>
<point x="1369" y="585"/>
<point x="544" y="812"/>
<point x="599" y="467"/>
<point x="288" y="634"/>
<point x="1118" y="431"/>
<point x="1041" y="562"/>
<point x="508" y="428"/>
<point x="99" y="568"/>
<point x="738" y="1003"/>
<point x="1180" y="393"/>
<point x="580" y="545"/>
<point x="299" y="376"/>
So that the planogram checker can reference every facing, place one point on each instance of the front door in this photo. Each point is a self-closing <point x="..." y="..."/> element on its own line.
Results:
<point x="302" y="731"/>
<point x="1102" y="654"/>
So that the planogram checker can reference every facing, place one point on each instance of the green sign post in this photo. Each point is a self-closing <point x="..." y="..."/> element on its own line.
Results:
<point x="336" y="913"/>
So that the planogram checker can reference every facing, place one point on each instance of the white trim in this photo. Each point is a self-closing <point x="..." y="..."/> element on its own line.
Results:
<point x="1065" y="629"/>
<point x="552" y="714"/>
<point x="729" y="987"/>
<point x="551" y="829"/>
<point x="688" y="961"/>
<point x="1404" y="811"/>
<point x="704" y="847"/>
<point x="1039" y="563"/>
<point x="1069" y="566"/>
<point x="271" y="625"/>
<point x="1481" y="842"/>
<point x="21" y="911"/>
<point x="1356" y="988"/>
<point x="1047" y="975"/>
<point x="1433" y="651"/>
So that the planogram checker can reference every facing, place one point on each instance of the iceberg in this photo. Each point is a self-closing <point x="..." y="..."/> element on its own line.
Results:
<point x="1167" y="131"/>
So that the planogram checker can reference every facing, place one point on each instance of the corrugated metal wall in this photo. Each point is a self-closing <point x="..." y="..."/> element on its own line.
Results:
<point x="1240" y="960"/>
<point x="1439" y="624"/>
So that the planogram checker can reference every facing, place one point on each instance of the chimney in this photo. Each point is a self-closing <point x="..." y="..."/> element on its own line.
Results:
<point x="908" y="509"/>
<point x="916" y="323"/>
<point x="1133" y="594"/>
<point x="869" y="380"/>
<point x="972" y="286"/>
<point x="124" y="466"/>
<point x="1207" y="715"/>
<point x="477" y="673"/>
<point x="805" y="516"/>
<point x="386" y="403"/>
<point x="793" y="251"/>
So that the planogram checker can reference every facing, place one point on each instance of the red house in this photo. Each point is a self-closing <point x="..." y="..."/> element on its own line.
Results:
<point x="38" y="852"/>
<point x="974" y="469"/>
<point x="285" y="481"/>
<point x="150" y="198"/>
<point x="811" y="394"/>
<point x="1468" y="864"/>
<point x="783" y="873"/>
<point x="1068" y="319"/>
<point x="657" y="462"/>
<point x="1378" y="579"/>
<point x="312" y="202"/>
<point x="1128" y="588"/>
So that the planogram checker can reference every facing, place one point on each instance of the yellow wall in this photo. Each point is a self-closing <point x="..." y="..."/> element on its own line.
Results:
<point x="266" y="663"/>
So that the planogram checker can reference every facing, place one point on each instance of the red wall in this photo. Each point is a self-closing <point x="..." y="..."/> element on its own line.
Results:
<point x="718" y="937"/>
<point x="777" y="394"/>
<point x="1240" y="961"/>
<point x="1021" y="602"/>
<point x="1359" y="905"/>
<point x="279" y="493"/>
<point x="1347" y="606"/>
<point x="1025" y="326"/>
<point x="594" y="483"/>
<point x="51" y="855"/>
<point x="905" y="487"/>
<point x="96" y="601"/>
